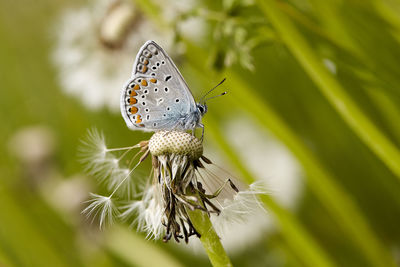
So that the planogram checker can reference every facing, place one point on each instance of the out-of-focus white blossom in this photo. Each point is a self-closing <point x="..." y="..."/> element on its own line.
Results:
<point x="33" y="145"/>
<point x="96" y="44"/>
<point x="274" y="166"/>
<point x="95" y="48"/>
<point x="268" y="160"/>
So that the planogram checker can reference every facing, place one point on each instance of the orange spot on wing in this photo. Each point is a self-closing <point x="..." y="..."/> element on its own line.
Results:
<point x="144" y="82"/>
<point x="146" y="62"/>
<point x="133" y="110"/>
<point x="138" y="119"/>
<point x="153" y="80"/>
<point x="136" y="87"/>
<point x="132" y="100"/>
<point x="133" y="93"/>
<point x="144" y="69"/>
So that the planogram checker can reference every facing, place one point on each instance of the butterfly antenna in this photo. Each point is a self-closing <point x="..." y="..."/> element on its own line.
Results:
<point x="201" y="100"/>
<point x="224" y="93"/>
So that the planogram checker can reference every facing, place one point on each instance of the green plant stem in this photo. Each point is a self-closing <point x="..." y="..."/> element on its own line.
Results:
<point x="332" y="89"/>
<point x="209" y="239"/>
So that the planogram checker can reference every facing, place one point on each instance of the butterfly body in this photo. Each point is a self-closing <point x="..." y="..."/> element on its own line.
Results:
<point x="157" y="97"/>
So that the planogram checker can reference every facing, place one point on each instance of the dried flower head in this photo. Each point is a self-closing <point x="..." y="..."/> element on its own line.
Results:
<point x="183" y="179"/>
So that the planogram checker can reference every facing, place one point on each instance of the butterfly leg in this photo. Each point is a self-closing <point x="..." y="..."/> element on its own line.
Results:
<point x="202" y="131"/>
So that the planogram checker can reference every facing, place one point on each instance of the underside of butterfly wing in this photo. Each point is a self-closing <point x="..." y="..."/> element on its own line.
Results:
<point x="157" y="96"/>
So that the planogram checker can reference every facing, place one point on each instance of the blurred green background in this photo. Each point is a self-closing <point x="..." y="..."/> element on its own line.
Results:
<point x="323" y="77"/>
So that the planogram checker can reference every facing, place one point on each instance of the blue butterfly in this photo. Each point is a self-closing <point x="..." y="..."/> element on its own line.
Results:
<point x="157" y="97"/>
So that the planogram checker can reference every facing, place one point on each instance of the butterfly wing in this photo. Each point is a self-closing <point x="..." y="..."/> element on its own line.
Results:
<point x="157" y="96"/>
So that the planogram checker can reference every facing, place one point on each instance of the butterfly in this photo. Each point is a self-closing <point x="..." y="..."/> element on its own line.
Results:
<point x="157" y="97"/>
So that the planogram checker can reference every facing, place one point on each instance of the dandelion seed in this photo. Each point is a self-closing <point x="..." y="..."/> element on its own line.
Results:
<point x="101" y="163"/>
<point x="101" y="207"/>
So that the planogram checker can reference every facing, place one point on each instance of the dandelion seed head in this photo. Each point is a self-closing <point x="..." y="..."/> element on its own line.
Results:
<point x="183" y="180"/>
<point x="174" y="142"/>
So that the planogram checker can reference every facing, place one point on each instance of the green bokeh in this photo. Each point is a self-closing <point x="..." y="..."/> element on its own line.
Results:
<point x="361" y="37"/>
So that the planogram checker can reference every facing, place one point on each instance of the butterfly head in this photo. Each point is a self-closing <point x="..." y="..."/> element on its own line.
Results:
<point x="202" y="108"/>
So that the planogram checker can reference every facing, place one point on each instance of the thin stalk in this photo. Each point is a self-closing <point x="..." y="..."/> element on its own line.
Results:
<point x="209" y="239"/>
<point x="331" y="89"/>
